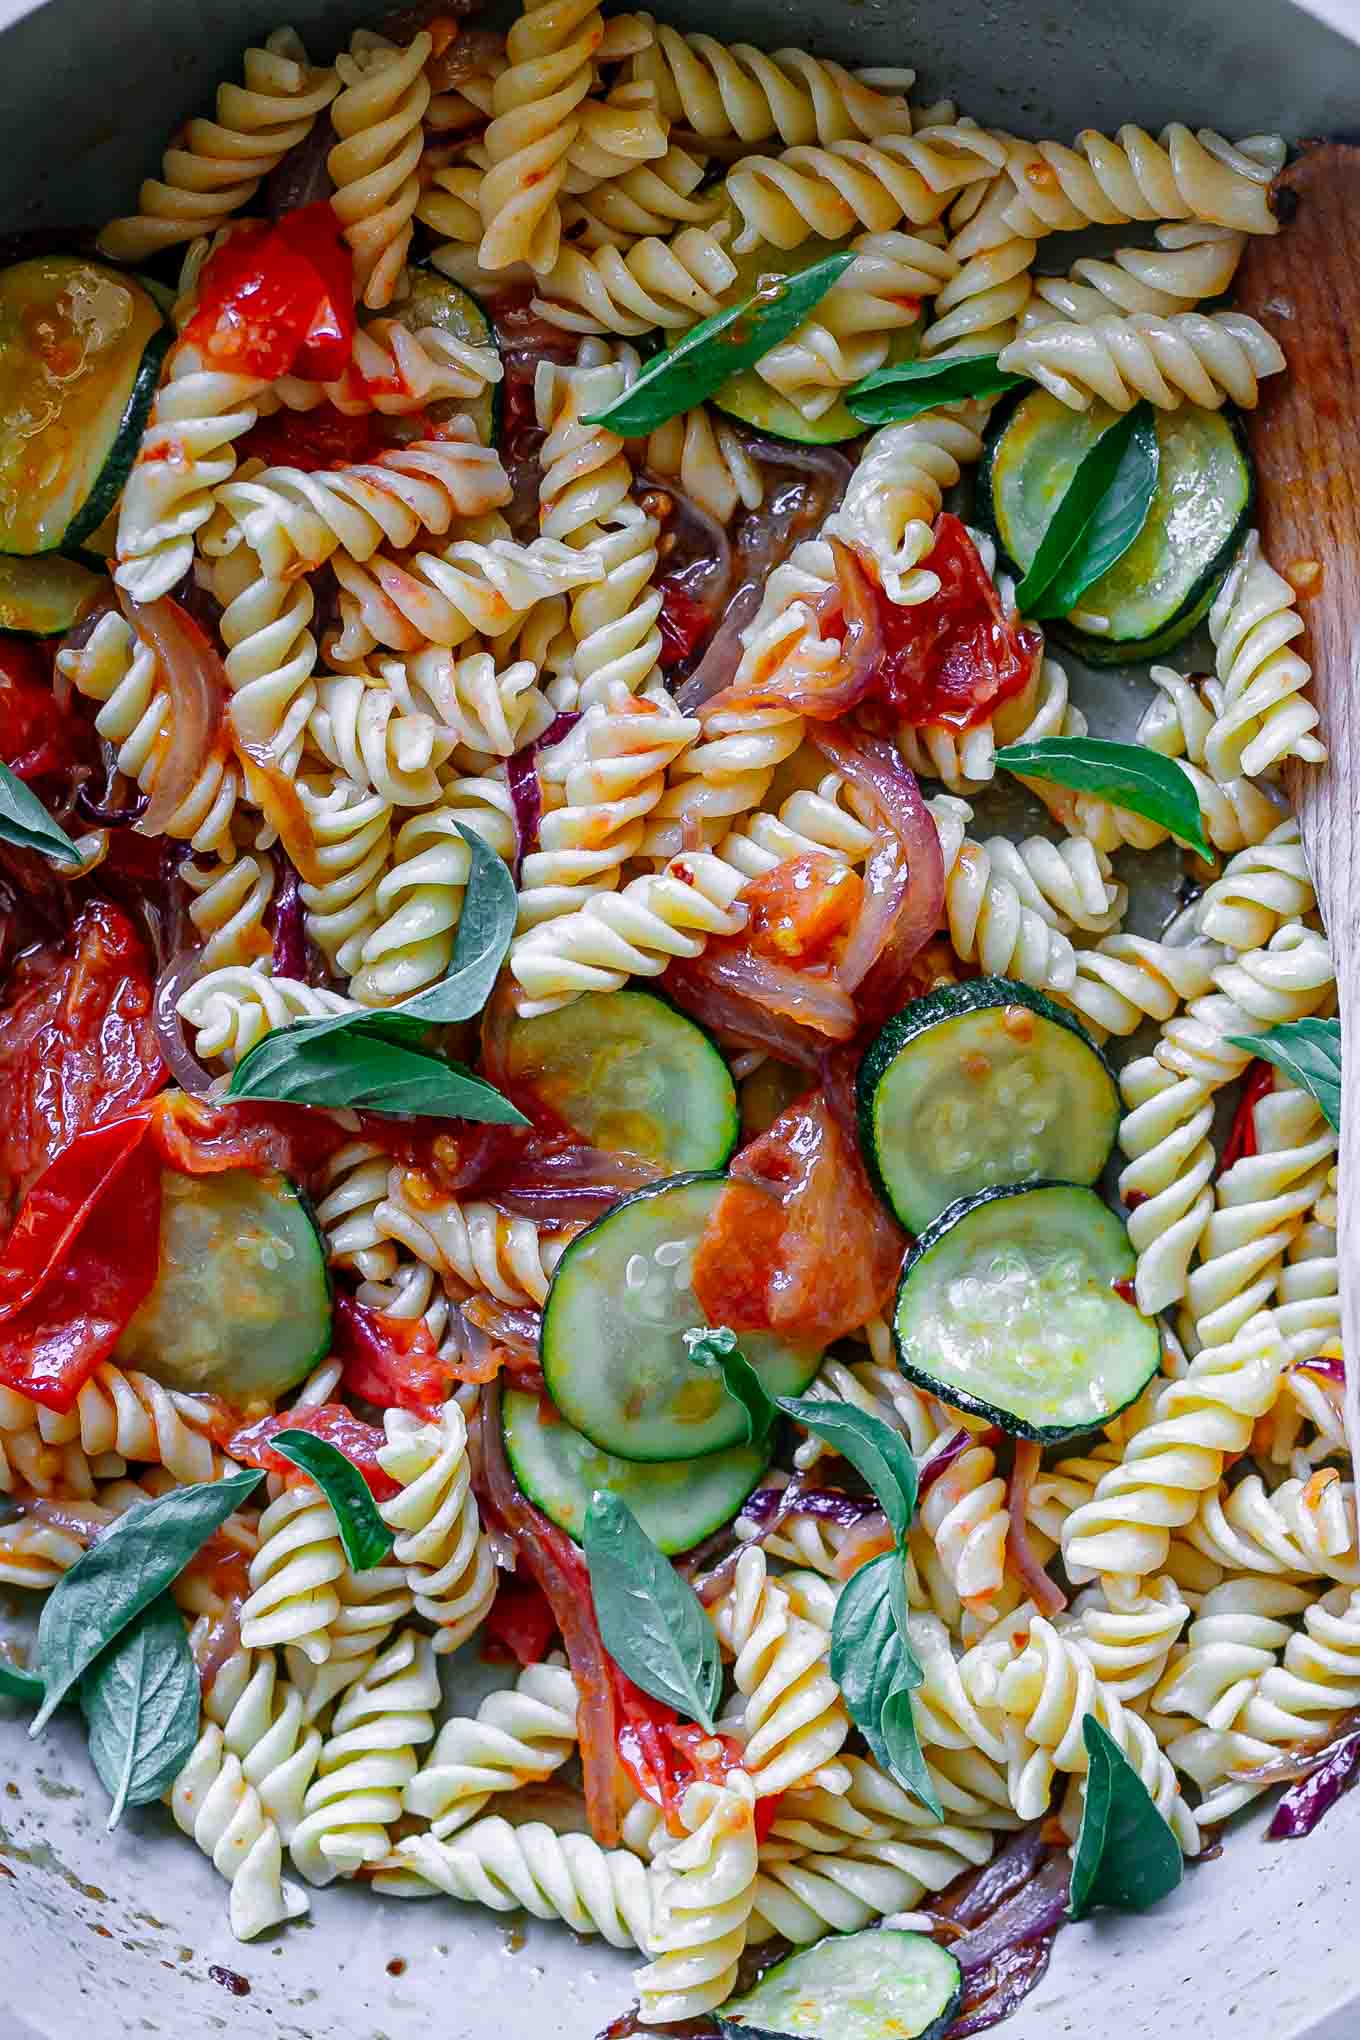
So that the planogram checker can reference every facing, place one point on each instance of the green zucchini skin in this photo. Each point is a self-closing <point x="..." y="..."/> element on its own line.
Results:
<point x="433" y="299"/>
<point x="748" y="398"/>
<point x="1138" y="1365"/>
<point x="1128" y="648"/>
<point x="44" y="596"/>
<point x="107" y="489"/>
<point x="975" y="1019"/>
<point x="881" y="1984"/>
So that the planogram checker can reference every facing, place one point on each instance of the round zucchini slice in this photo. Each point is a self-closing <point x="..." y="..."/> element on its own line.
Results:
<point x="1017" y="1306"/>
<point x="43" y="597"/>
<point x="977" y="1085"/>
<point x="612" y="1345"/>
<point x="1164" y="584"/>
<point x="629" y="1073"/>
<point x="242" y="1303"/>
<point x="883" y="1984"/>
<point x="677" y="1502"/>
<point x="81" y="347"/>
<point x="435" y="300"/>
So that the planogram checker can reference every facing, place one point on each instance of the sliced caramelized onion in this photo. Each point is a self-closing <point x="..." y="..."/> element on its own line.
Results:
<point x="196" y="681"/>
<point x="1047" y="1596"/>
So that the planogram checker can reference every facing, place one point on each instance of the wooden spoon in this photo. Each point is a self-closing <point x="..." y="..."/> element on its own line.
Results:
<point x="1304" y="286"/>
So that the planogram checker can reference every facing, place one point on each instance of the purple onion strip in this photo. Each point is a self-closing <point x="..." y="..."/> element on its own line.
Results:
<point x="998" y="1880"/>
<point x="1303" y="1805"/>
<point x="1036" y="1909"/>
<point x="526" y="795"/>
<point x="1007" y="1980"/>
<point x="290" y="940"/>
<point x="770" y="1506"/>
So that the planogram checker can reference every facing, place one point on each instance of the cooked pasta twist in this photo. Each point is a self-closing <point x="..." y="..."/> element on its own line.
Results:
<point x="215" y="167"/>
<point x="632" y="933"/>
<point x="1189" y="264"/>
<point x="1236" y="812"/>
<point x="529" y="1869"/>
<point x="377" y="119"/>
<point x="1265" y="886"/>
<point x="1234" y="1637"/>
<point x="419" y="898"/>
<point x="668" y="283"/>
<point x="487" y="704"/>
<point x="1309" y="1299"/>
<point x="1317" y="1682"/>
<point x="1266" y="716"/>
<point x="121" y="1410"/>
<point x="471" y="588"/>
<point x="965" y="760"/>
<point x="980" y="307"/>
<point x="551" y="50"/>
<point x="1166" y="1185"/>
<point x="517" y="1737"/>
<point x="1124" y="1530"/>
<point x="293" y="1575"/>
<point x="706" y="457"/>
<point x="449" y="1567"/>
<point x="1202" y="358"/>
<point x="585" y="474"/>
<point x="1106" y="181"/>
<point x="646" y="198"/>
<point x="231" y="897"/>
<point x="1128" y="1645"/>
<point x="881" y="1392"/>
<point x="835" y="190"/>
<point x="471" y="1243"/>
<point x="213" y="1802"/>
<point x="232" y="1009"/>
<point x="701" y="1888"/>
<point x="826" y="1875"/>
<point x="992" y="913"/>
<point x="733" y="89"/>
<point x="1290" y="978"/>
<point x="965" y="1517"/>
<point x="360" y="725"/>
<point x="119" y="669"/>
<point x="371" y="1604"/>
<point x="792" y="1720"/>
<point x="614" y="617"/>
<point x="352" y="844"/>
<point x="264" y="1724"/>
<point x="811" y="820"/>
<point x="366" y="1762"/>
<point x="1303" y="1529"/>
<point x="187" y="451"/>
<point x="895" y="494"/>
<point x="271" y="656"/>
<point x="27" y="1460"/>
<point x="1049" y="1689"/>
<point x="1123" y="980"/>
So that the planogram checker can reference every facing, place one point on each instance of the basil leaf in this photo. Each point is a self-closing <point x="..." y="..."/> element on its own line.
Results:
<point x="1140" y="780"/>
<point x="485" y="927"/>
<point x="892" y="395"/>
<point x="1095" y="474"/>
<point x="25" y="821"/>
<point x="873" y="1448"/>
<point x="363" y="1069"/>
<point x="1126" y="1855"/>
<point x="653" y="1623"/>
<point x="1118" y="518"/>
<point x="140" y="1698"/>
<point x="701" y="362"/>
<point x="720" y="1349"/>
<point x="16" y="1684"/>
<point x="1309" y="1051"/>
<point x="906" y="1758"/>
<point x="365" y="1536"/>
<point x="138" y="1557"/>
<point x="873" y="1664"/>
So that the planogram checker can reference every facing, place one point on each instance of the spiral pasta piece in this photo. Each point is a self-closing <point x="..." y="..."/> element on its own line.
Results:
<point x="702" y="1887"/>
<point x="993" y="920"/>
<point x="1204" y="358"/>
<point x="965" y="1517"/>
<point x="351" y="830"/>
<point x="895" y="494"/>
<point x="517" y="1737"/>
<point x="477" y="699"/>
<point x="1123" y="1532"/>
<point x="233" y="1008"/>
<point x="733" y="89"/>
<point x="646" y="198"/>
<point x="360" y="725"/>
<point x="965" y="760"/>
<point x="214" y="1804"/>
<point x="1106" y="181"/>
<point x="449" y="1567"/>
<point x="1236" y="812"/>
<point x="264" y="1725"/>
<point x="1301" y="1530"/>
<point x="371" y="1604"/>
<point x="471" y="588"/>
<point x="535" y="102"/>
<point x="813" y="820"/>
<point x="792" y="1721"/>
<point x="396" y="370"/>
<point x="668" y="283"/>
<point x="1128" y="1646"/>
<point x="1123" y="980"/>
<point x="1265" y="886"/>
<point x="471" y="1242"/>
<point x="121" y="1410"/>
<point x="530" y="1869"/>
<point x="1189" y="264"/>
<point x="271" y="656"/>
<point x="366" y="1762"/>
<point x="377" y="119"/>
<point x="1237" y="1633"/>
<point x="1318" y="1680"/>
<point x="881" y="1392"/>
<point x="1166" y="1185"/>
<point x="231" y="897"/>
<point x="1265" y="717"/>
<point x="706" y="457"/>
<point x="215" y="167"/>
<point x="1289" y="979"/>
<point x="293" y="1574"/>
<point x="846" y="185"/>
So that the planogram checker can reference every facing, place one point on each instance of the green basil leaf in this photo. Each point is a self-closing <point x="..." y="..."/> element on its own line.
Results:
<point x="16" y="1684"/>
<point x="1309" y="1051"/>
<point x="720" y="1349"/>
<point x="141" y="1698"/>
<point x="1116" y="521"/>
<point x="1094" y="475"/>
<point x="136" y="1559"/>
<point x="873" y="1664"/>
<point x="873" y="1448"/>
<point x="365" y="1536"/>
<point x="485" y="927"/>
<point x="1126" y="1855"/>
<point x="906" y="388"/>
<point x="25" y="821"/>
<point x="653" y="1623"/>
<point x="731" y="340"/>
<point x="1140" y="780"/>
<point x="363" y="1069"/>
<point x="906" y="1758"/>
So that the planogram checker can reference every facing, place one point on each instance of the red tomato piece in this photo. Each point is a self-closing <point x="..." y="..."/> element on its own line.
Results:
<point x="956" y="657"/>
<point x="278" y="300"/>
<point x="203" y="1136"/>
<point x="36" y="738"/>
<point x="798" y="911"/>
<point x="360" y="1443"/>
<point x="313" y="233"/>
<point x="77" y="1042"/>
<point x="310" y="440"/>
<point x="683" y="623"/>
<point x="80" y="1258"/>
<point x="390" y="1362"/>
<point x="1241" y="1139"/>
<point x="520" y="1625"/>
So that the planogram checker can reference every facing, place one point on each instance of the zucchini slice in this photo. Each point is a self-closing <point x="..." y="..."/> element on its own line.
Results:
<point x="614" y="1358"/>
<point x="81" y="347"/>
<point x="1164" y="584"/>
<point x="748" y="397"/>
<point x="242" y="1303"/>
<point x="44" y="597"/>
<point x="977" y="1085"/>
<point x="1017" y="1306"/>
<point x="677" y="1503"/>
<point x="883" y="1984"/>
<point x="627" y="1072"/>
<point x="433" y="300"/>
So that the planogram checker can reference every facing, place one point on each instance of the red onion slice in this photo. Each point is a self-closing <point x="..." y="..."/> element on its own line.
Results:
<point x="1303" y="1805"/>
<point x="196" y="681"/>
<point x="1047" y="1596"/>
<point x="526" y="794"/>
<point x="183" y="1065"/>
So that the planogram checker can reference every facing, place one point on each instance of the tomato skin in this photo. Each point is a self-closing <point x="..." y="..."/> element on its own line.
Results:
<point x="684" y="624"/>
<point x="520" y="1624"/>
<point x="77" y="1042"/>
<point x="360" y="1443"/>
<point x="313" y="234"/>
<point x="797" y="912"/>
<point x="204" y="1136"/>
<point x="956" y="657"/>
<point x="311" y="440"/>
<point x="390" y="1362"/>
<point x="664" y="1755"/>
<point x="278" y="300"/>
<point x="36" y="738"/>
<point x="1241" y="1139"/>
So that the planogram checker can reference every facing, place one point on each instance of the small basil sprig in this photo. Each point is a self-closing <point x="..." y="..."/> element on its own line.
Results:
<point x="906" y="388"/>
<point x="716" y="348"/>
<point x="1102" y="511"/>
<point x="25" y="822"/>
<point x="140" y="1699"/>
<point x="1126" y="1854"/>
<point x="365" y="1536"/>
<point x="1143" y="781"/>
<point x="1309" y="1051"/>
<point x="374" y="1060"/>
<point x="718" y="1348"/>
<point x="653" y="1623"/>
<point x="109" y="1585"/>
